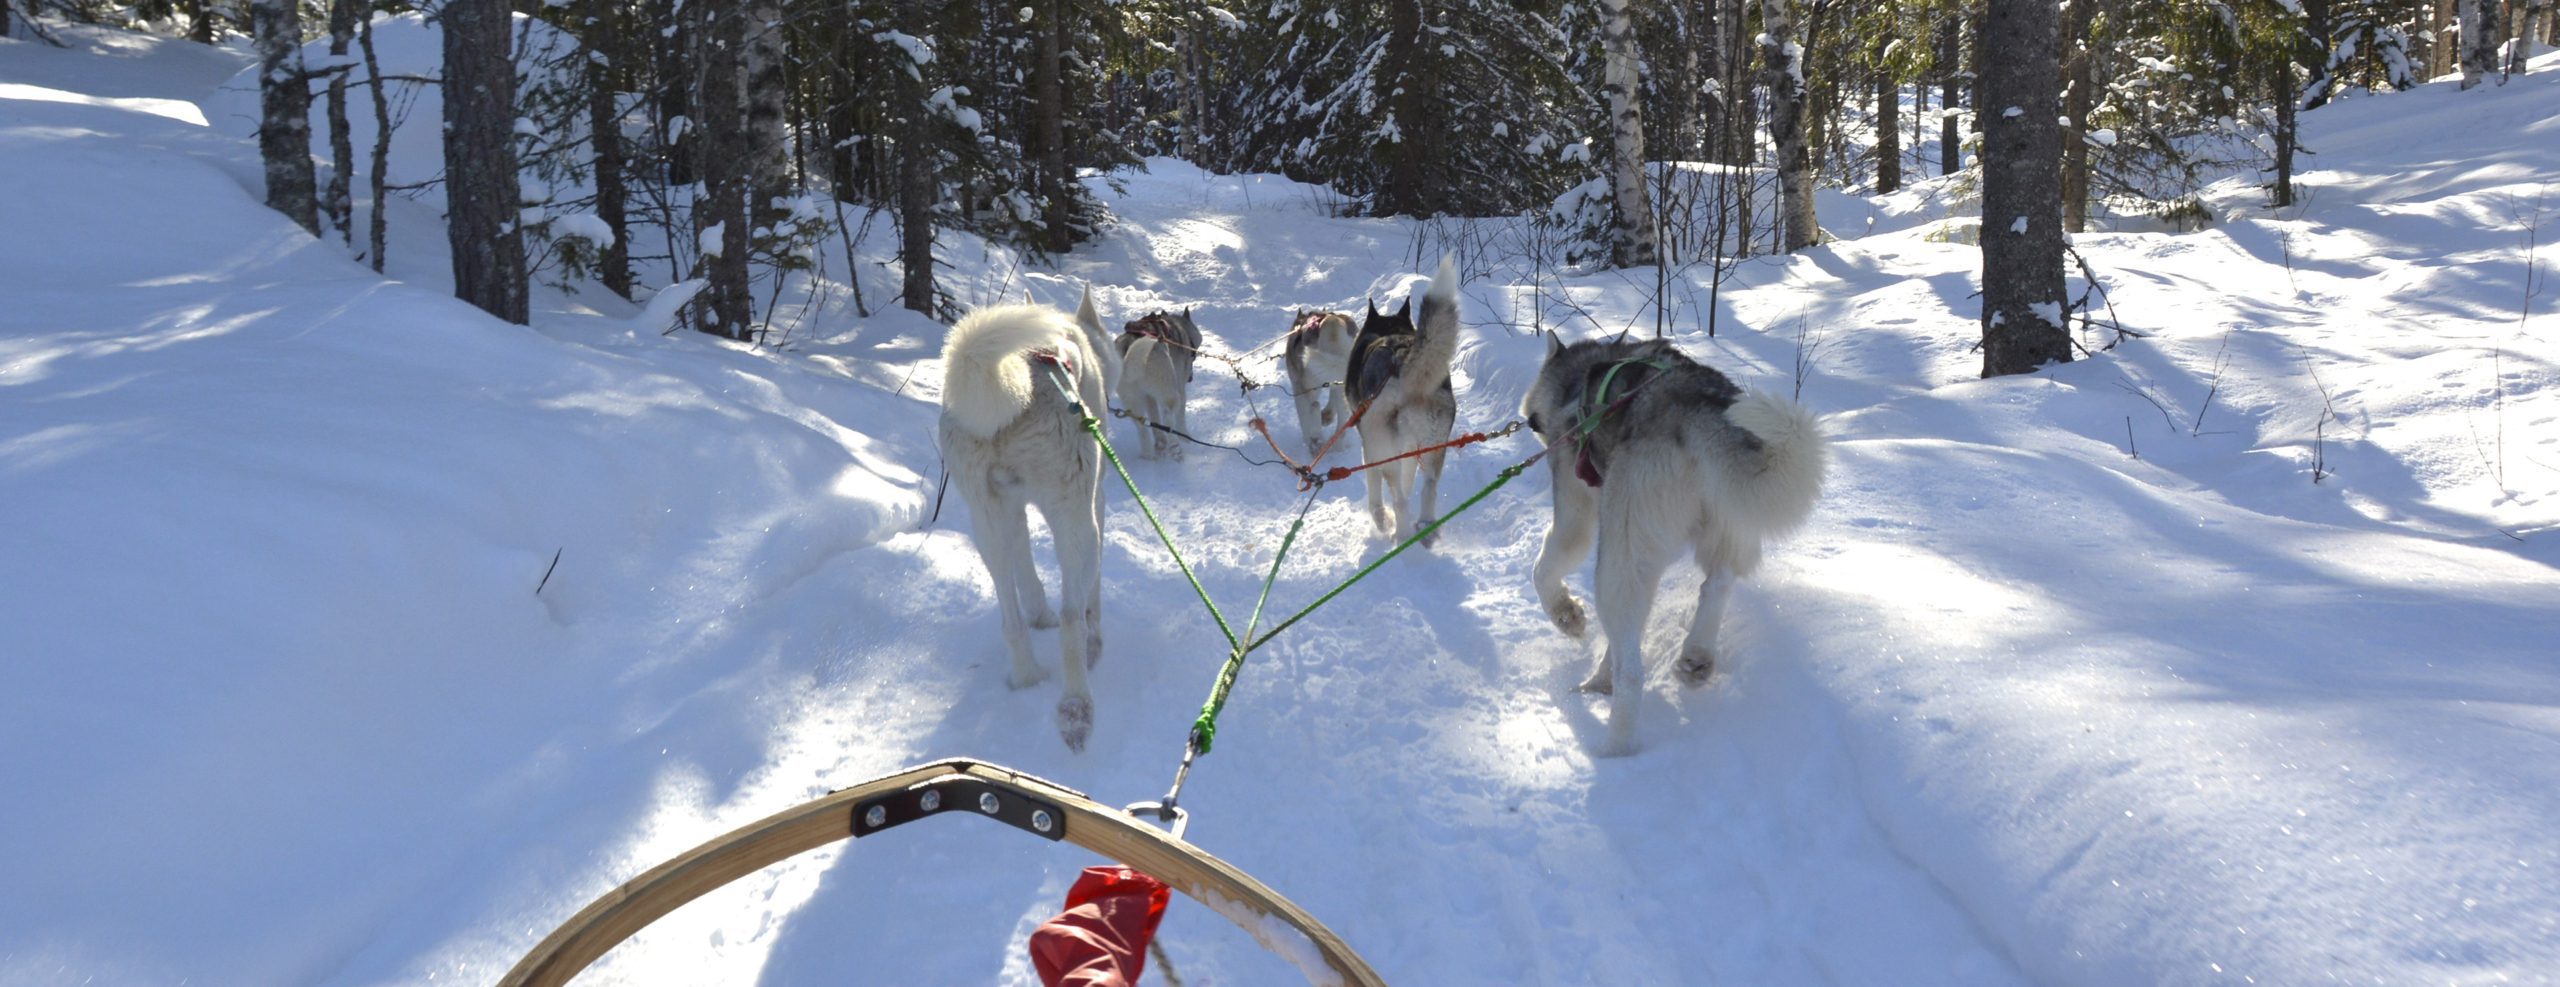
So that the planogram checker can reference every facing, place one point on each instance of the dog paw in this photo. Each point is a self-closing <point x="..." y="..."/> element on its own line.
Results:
<point x="1599" y="684"/>
<point x="1174" y="453"/>
<point x="1026" y="678"/>
<point x="1044" y="618"/>
<point x="1616" y="747"/>
<point x="1695" y="664"/>
<point x="1075" y="721"/>
<point x="1566" y="614"/>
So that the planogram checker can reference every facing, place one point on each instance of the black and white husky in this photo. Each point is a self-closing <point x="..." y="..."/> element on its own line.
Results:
<point x="1316" y="358"/>
<point x="1398" y="382"/>
<point x="1156" y="356"/>
<point x="1013" y="439"/>
<point x="1656" y="453"/>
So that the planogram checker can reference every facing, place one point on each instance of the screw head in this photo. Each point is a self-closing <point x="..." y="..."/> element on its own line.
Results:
<point x="932" y="800"/>
<point x="877" y="817"/>
<point x="1040" y="820"/>
<point x="987" y="803"/>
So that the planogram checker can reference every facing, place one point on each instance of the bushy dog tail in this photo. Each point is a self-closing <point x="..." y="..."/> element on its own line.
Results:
<point x="1437" y="325"/>
<point x="1774" y="499"/>
<point x="987" y="376"/>
<point x="1098" y="340"/>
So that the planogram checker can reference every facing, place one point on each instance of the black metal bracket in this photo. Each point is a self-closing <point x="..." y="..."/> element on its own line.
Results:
<point x="963" y="795"/>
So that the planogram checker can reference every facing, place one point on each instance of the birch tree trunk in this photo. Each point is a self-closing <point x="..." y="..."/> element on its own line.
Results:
<point x="2527" y="35"/>
<point x="2479" y="49"/>
<point x="2022" y="240"/>
<point x="1631" y="240"/>
<point x="284" y="125"/>
<point x="767" y="133"/>
<point x="1784" y="59"/>
<point x="342" y="153"/>
<point x="481" y="192"/>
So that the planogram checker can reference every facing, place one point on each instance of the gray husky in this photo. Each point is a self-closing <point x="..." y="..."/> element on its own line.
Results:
<point x="1398" y="381"/>
<point x="1654" y="452"/>
<point x="1316" y="357"/>
<point x="1156" y="354"/>
<point x="1011" y="377"/>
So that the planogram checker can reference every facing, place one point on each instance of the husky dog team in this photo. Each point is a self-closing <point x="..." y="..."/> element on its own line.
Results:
<point x="1650" y="454"/>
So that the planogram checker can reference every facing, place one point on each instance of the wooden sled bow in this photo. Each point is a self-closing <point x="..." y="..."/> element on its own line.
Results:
<point x="959" y="786"/>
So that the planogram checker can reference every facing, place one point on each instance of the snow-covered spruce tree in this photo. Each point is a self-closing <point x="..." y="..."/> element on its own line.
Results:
<point x="1783" y="59"/>
<point x="284" y="124"/>
<point x="2359" y="43"/>
<point x="481" y="189"/>
<point x="1419" y="107"/>
<point x="2022" y="239"/>
<point x="1631" y="234"/>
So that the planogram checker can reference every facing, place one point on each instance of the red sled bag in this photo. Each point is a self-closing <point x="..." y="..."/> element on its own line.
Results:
<point x="1101" y="939"/>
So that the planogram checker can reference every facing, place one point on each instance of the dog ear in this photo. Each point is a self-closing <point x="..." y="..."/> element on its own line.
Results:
<point x="1407" y="310"/>
<point x="1555" y="343"/>
<point x="1373" y="307"/>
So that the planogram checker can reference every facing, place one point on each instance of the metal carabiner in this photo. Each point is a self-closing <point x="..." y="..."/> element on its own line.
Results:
<point x="1177" y="818"/>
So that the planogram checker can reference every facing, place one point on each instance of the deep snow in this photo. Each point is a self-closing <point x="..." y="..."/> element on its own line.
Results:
<point x="2074" y="679"/>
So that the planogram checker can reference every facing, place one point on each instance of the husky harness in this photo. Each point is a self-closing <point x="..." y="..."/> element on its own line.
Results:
<point x="1597" y="405"/>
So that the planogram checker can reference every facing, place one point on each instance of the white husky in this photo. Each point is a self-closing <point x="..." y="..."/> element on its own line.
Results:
<point x="1155" y="371"/>
<point x="1398" y="382"/>
<point x="1658" y="453"/>
<point x="1317" y="357"/>
<point x="1013" y="438"/>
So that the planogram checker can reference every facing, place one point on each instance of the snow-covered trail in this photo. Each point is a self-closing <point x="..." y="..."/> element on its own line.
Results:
<point x="1410" y="761"/>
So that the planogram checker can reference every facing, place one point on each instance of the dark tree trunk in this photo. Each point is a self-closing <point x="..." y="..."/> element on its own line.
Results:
<point x="2080" y="83"/>
<point x="1403" y="193"/>
<point x="284" y="126"/>
<point x="1950" y="58"/>
<point x="1049" y="110"/>
<point x="377" y="226"/>
<point x="916" y="181"/>
<point x="342" y="152"/>
<point x="1888" y="125"/>
<point x="2022" y="240"/>
<point x="481" y="193"/>
<point x="720" y="216"/>
<point x="675" y="92"/>
<point x="199" y="22"/>
<point x="604" y="123"/>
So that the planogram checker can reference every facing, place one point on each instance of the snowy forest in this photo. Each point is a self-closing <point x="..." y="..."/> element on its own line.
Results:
<point x="621" y="145"/>
<point x="458" y="458"/>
